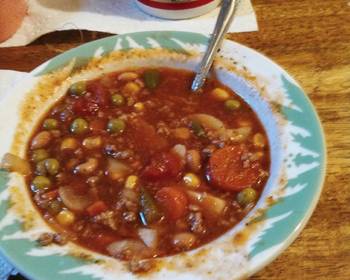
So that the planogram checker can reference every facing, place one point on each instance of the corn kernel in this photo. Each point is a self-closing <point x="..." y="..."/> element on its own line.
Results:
<point x="220" y="94"/>
<point x="128" y="76"/>
<point x="131" y="88"/>
<point x="259" y="140"/>
<point x="191" y="180"/>
<point x="65" y="218"/>
<point x="131" y="182"/>
<point x="139" y="106"/>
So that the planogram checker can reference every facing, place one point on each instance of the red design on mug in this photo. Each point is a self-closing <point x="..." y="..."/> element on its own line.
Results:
<point x="175" y="5"/>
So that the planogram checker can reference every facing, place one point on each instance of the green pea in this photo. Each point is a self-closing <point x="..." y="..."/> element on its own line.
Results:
<point x="118" y="100"/>
<point x="41" y="183"/>
<point x="79" y="126"/>
<point x="232" y="104"/>
<point x="39" y="155"/>
<point x="54" y="207"/>
<point x="246" y="196"/>
<point x="116" y="126"/>
<point x="40" y="168"/>
<point x="52" y="166"/>
<point x="78" y="88"/>
<point x="151" y="78"/>
<point x="197" y="129"/>
<point x="50" y="124"/>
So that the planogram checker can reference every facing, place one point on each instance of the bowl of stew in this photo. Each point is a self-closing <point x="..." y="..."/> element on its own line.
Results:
<point x="112" y="166"/>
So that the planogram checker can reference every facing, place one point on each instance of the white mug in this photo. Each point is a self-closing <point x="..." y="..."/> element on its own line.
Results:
<point x="177" y="9"/>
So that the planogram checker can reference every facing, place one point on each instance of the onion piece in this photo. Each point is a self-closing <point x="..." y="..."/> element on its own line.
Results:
<point x="193" y="160"/>
<point x="208" y="202"/>
<point x="87" y="167"/>
<point x="128" y="248"/>
<point x="208" y="122"/>
<point x="180" y="150"/>
<point x="149" y="237"/>
<point x="75" y="201"/>
<point x="12" y="163"/>
<point x="117" y="170"/>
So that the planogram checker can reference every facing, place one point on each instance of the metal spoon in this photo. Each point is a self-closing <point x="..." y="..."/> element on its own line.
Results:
<point x="224" y="20"/>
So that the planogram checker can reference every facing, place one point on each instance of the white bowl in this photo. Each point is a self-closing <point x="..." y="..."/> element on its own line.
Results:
<point x="297" y="160"/>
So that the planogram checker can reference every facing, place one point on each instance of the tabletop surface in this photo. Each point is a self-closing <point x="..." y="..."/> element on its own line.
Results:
<point x="311" y="40"/>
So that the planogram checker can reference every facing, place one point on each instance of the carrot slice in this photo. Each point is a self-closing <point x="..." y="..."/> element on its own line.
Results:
<point x="51" y="195"/>
<point x="173" y="201"/>
<point x="226" y="169"/>
<point x="97" y="208"/>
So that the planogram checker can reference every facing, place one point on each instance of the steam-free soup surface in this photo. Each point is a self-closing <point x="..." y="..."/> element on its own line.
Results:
<point x="135" y="165"/>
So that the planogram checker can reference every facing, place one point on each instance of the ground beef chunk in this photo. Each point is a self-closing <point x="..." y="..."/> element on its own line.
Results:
<point x="114" y="152"/>
<point x="138" y="266"/>
<point x="108" y="218"/>
<point x="45" y="239"/>
<point x="60" y="239"/>
<point x="48" y="238"/>
<point x="196" y="222"/>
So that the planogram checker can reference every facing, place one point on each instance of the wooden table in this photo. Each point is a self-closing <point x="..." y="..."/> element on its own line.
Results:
<point x="311" y="39"/>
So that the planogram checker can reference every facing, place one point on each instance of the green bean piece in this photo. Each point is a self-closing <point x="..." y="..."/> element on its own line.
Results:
<point x="40" y="168"/>
<point x="232" y="105"/>
<point x="149" y="210"/>
<point x="197" y="129"/>
<point x="78" y="89"/>
<point x="118" y="100"/>
<point x="50" y="124"/>
<point x="54" y="207"/>
<point x="116" y="126"/>
<point x="151" y="78"/>
<point x="39" y="155"/>
<point x="246" y="196"/>
<point x="40" y="183"/>
<point x="52" y="166"/>
<point x="79" y="126"/>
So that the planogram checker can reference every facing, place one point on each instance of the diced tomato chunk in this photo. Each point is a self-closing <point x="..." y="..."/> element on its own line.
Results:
<point x="83" y="106"/>
<point x="162" y="166"/>
<point x="173" y="201"/>
<point x="227" y="171"/>
<point x="151" y="141"/>
<point x="100" y="94"/>
<point x="97" y="125"/>
<point x="97" y="208"/>
<point x="79" y="106"/>
<point x="78" y="187"/>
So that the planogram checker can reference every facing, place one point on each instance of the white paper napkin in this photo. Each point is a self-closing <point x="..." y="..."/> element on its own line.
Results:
<point x="8" y="80"/>
<point x="114" y="16"/>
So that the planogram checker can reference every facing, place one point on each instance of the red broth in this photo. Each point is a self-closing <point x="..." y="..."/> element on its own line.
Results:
<point x="134" y="165"/>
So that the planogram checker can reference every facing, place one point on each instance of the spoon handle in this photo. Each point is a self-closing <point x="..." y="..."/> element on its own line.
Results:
<point x="223" y="22"/>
